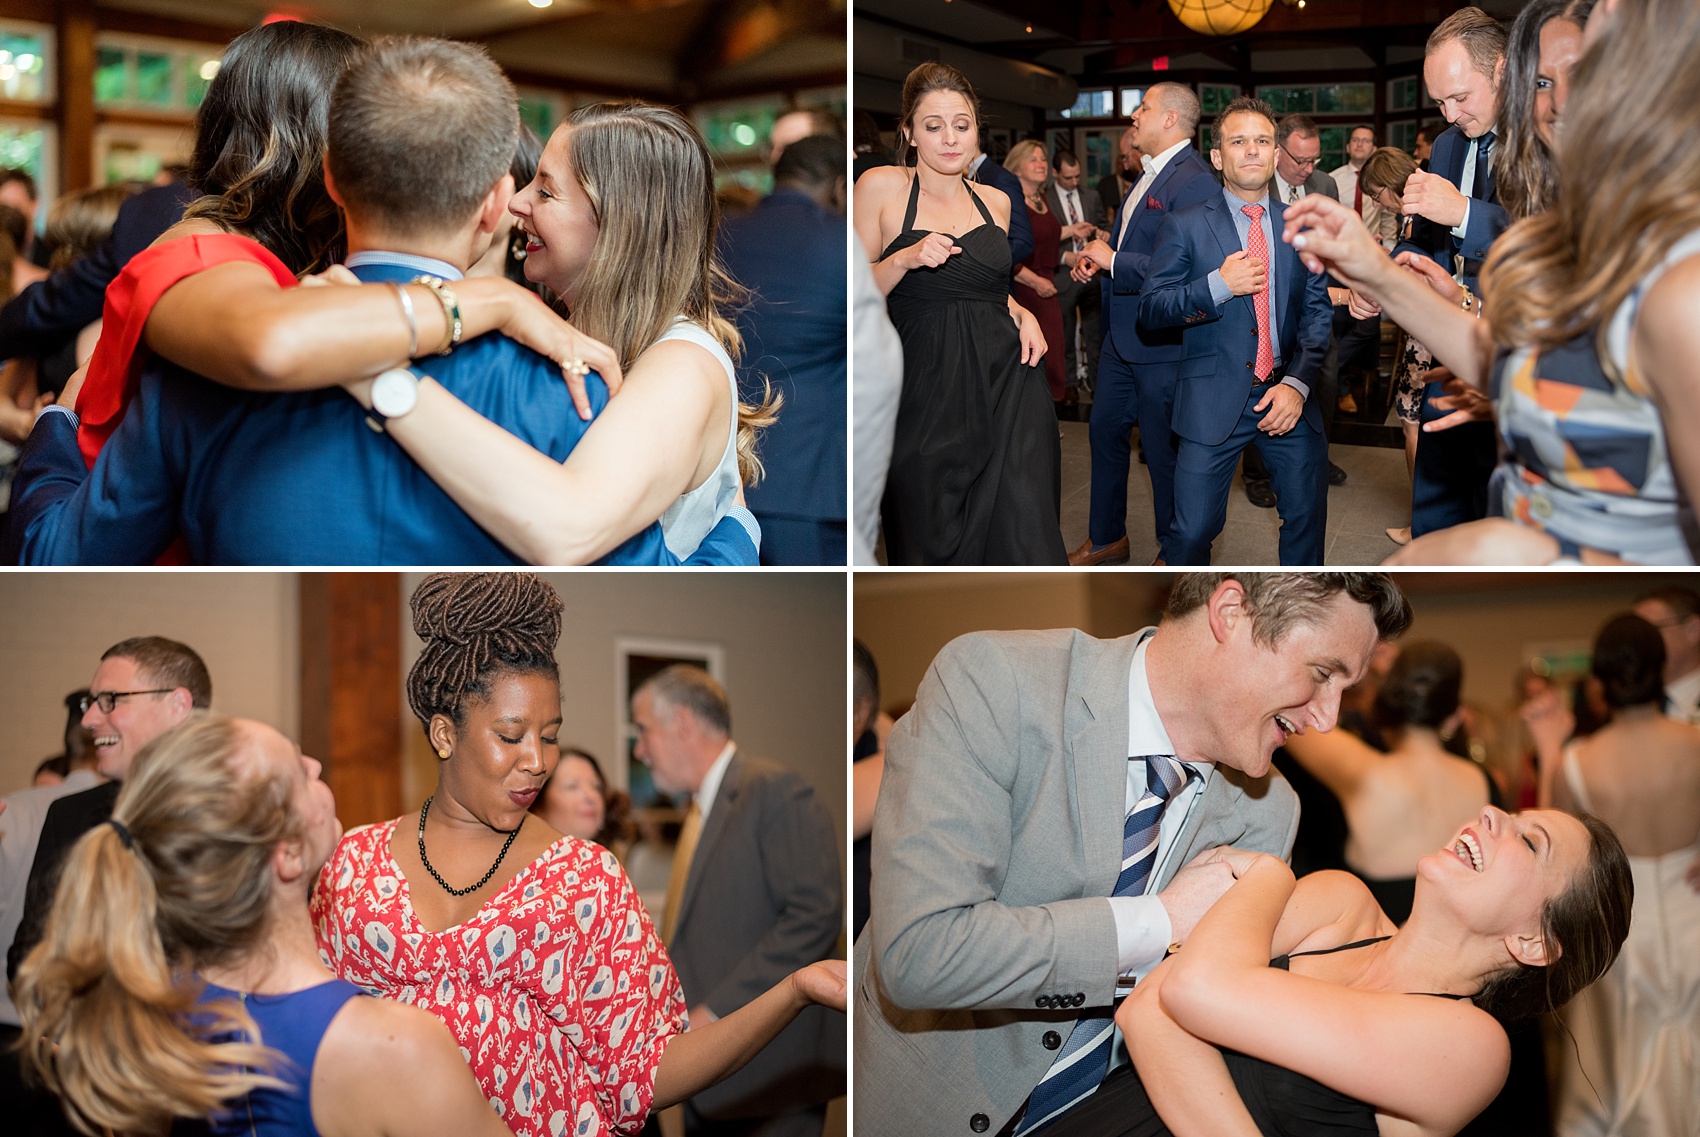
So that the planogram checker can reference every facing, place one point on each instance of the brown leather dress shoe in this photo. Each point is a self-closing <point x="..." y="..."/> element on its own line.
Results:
<point x="1115" y="553"/>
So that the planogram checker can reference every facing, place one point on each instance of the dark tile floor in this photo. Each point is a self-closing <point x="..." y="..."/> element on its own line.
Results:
<point x="1376" y="496"/>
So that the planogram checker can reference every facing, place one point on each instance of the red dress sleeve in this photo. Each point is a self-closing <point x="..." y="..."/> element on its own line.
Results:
<point x="116" y="366"/>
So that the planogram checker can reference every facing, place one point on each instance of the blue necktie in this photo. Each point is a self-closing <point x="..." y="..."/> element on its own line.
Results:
<point x="1085" y="1058"/>
<point x="1482" y="187"/>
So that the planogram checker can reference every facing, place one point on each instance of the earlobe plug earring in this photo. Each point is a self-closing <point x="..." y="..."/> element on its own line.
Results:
<point x="443" y="754"/>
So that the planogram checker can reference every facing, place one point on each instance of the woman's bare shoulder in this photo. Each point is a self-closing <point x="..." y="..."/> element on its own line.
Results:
<point x="883" y="182"/>
<point x="1327" y="909"/>
<point x="996" y="200"/>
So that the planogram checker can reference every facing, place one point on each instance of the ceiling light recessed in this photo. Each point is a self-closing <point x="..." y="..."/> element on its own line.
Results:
<point x="541" y="3"/>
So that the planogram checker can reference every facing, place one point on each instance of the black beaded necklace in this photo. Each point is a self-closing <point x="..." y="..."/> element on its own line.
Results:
<point x="424" y="812"/>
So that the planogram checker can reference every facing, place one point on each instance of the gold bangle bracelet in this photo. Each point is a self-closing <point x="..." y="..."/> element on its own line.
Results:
<point x="451" y="310"/>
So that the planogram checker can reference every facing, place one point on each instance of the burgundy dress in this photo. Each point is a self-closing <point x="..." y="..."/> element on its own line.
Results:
<point x="1047" y="238"/>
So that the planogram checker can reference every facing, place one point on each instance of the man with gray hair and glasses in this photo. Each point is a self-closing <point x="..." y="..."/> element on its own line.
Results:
<point x="142" y="688"/>
<point x="1041" y="809"/>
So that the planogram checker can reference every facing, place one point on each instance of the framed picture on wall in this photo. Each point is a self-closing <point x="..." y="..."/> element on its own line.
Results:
<point x="1098" y="146"/>
<point x="635" y="660"/>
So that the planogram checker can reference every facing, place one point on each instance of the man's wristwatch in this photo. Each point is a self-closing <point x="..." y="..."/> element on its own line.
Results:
<point x="394" y="393"/>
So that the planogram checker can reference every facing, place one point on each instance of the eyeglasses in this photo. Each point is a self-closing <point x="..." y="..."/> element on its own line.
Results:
<point x="1303" y="163"/>
<point x="109" y="699"/>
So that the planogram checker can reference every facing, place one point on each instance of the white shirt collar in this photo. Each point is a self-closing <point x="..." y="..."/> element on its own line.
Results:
<point x="711" y="781"/>
<point x="1155" y="165"/>
<point x="1145" y="731"/>
<point x="429" y="266"/>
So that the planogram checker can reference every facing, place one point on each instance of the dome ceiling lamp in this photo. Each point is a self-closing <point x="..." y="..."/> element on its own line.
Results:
<point x="1224" y="17"/>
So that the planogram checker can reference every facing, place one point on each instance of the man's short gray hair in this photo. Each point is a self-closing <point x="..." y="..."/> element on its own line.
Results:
<point x="687" y="688"/>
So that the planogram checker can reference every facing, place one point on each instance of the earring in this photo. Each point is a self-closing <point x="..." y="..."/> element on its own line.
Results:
<point x="443" y="754"/>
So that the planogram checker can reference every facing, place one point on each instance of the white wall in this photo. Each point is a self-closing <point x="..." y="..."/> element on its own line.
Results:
<point x="786" y="665"/>
<point x="57" y="624"/>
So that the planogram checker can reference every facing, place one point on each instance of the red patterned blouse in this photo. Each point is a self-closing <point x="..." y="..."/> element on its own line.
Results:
<point x="559" y="991"/>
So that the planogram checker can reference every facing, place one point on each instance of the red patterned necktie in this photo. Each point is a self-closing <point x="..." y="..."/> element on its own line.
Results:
<point x="1258" y="249"/>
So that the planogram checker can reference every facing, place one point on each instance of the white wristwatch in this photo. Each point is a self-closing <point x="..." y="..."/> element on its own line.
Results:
<point x="394" y="393"/>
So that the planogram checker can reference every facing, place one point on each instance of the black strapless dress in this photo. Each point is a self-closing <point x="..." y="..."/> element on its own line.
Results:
<point x="1283" y="1103"/>
<point x="976" y="464"/>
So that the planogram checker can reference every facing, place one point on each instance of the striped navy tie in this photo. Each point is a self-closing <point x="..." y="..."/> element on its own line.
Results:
<point x="1085" y="1058"/>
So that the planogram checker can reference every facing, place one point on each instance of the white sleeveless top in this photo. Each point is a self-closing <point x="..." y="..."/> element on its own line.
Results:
<point x="688" y="520"/>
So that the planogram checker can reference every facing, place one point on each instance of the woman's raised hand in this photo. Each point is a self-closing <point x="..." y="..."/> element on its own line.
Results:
<point x="1331" y="237"/>
<point x="933" y="250"/>
<point x="530" y="321"/>
<point x="826" y="983"/>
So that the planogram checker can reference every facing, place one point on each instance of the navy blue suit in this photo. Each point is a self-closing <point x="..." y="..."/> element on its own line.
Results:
<point x="1449" y="482"/>
<point x="248" y="478"/>
<point x="1217" y="389"/>
<point x="1020" y="227"/>
<point x="35" y="320"/>
<point x="1136" y="368"/>
<point x="792" y="254"/>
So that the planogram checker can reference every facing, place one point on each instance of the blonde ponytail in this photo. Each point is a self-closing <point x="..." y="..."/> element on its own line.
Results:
<point x="109" y="998"/>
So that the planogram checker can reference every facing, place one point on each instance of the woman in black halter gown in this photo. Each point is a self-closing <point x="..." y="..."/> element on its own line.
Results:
<point x="1358" y="1028"/>
<point x="975" y="475"/>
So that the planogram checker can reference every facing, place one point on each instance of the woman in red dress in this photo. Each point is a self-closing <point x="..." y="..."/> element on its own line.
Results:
<point x="1034" y="288"/>
<point x="550" y="975"/>
<point x="216" y="292"/>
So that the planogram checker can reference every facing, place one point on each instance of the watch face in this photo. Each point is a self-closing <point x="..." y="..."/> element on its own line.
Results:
<point x="394" y="392"/>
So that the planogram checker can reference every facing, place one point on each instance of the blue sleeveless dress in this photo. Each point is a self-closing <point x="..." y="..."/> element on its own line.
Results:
<point x="293" y="1024"/>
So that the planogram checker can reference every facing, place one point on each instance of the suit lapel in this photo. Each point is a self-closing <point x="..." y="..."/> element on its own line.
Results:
<point x="719" y="820"/>
<point x="1098" y="750"/>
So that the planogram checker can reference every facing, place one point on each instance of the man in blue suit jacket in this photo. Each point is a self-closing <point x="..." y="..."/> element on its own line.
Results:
<point x="1137" y="366"/>
<point x="307" y="478"/>
<point x="1220" y="272"/>
<point x="989" y="173"/>
<point x="1457" y="214"/>
<point x="790" y="252"/>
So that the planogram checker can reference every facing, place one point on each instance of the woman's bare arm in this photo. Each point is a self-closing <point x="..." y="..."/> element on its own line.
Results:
<point x="647" y="448"/>
<point x="705" y="1054"/>
<point x="1666" y="350"/>
<point x="1184" y="1076"/>
<point x="1389" y="1050"/>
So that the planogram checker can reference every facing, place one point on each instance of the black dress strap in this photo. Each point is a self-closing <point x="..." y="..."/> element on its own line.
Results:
<point x="978" y="204"/>
<point x="1281" y="962"/>
<point x="914" y="202"/>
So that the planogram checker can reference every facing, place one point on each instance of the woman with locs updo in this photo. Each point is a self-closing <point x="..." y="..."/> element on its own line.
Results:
<point x="1407" y="802"/>
<point x="532" y="947"/>
<point x="975" y="474"/>
<point x="178" y="977"/>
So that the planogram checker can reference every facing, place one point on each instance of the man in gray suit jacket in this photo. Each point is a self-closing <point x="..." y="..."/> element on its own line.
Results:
<point x="762" y="896"/>
<point x="999" y="833"/>
<point x="1081" y="212"/>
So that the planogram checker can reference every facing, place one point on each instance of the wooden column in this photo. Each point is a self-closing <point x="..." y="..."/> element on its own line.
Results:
<point x="351" y="689"/>
<point x="76" y="28"/>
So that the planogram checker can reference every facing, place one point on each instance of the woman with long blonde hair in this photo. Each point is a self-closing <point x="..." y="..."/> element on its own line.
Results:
<point x="620" y="223"/>
<point x="178" y="977"/>
<point x="1592" y="312"/>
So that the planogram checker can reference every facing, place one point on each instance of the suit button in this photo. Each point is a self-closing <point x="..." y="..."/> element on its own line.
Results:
<point x="1043" y="1002"/>
<point x="1248" y="365"/>
<point x="979" y="1123"/>
<point x="1079" y="998"/>
<point x="1052" y="1040"/>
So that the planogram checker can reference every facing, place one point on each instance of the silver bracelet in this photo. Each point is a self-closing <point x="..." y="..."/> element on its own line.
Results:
<point x="412" y="324"/>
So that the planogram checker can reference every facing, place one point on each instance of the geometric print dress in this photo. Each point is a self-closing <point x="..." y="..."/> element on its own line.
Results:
<point x="1585" y="453"/>
<point x="559" y="991"/>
